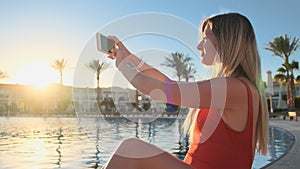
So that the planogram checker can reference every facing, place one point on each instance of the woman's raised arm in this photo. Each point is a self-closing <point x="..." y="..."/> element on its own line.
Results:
<point x="213" y="93"/>
<point x="139" y="64"/>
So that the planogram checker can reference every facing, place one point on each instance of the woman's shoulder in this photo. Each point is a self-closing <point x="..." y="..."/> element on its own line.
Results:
<point x="234" y="82"/>
<point x="235" y="86"/>
<point x="242" y="86"/>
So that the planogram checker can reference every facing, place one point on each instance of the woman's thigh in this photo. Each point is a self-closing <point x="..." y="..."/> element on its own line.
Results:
<point x="135" y="153"/>
<point x="161" y="161"/>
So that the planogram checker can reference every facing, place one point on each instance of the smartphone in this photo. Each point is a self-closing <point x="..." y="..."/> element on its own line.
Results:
<point x="104" y="44"/>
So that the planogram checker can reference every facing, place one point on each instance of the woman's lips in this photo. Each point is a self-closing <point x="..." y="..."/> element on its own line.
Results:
<point x="202" y="54"/>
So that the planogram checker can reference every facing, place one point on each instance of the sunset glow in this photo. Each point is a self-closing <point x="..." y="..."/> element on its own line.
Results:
<point x="37" y="73"/>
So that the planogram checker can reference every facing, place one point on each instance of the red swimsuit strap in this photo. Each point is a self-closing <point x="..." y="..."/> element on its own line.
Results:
<point x="250" y="110"/>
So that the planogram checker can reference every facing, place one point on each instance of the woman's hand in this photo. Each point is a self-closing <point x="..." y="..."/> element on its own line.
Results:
<point x="120" y="52"/>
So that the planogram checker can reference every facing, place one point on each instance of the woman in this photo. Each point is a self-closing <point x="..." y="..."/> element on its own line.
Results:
<point x="228" y="120"/>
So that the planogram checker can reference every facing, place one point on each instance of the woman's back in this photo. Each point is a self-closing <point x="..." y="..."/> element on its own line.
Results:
<point x="225" y="147"/>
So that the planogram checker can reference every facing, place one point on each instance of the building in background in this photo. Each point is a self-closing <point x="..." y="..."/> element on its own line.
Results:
<point x="269" y="90"/>
<point x="55" y="99"/>
<point x="276" y="94"/>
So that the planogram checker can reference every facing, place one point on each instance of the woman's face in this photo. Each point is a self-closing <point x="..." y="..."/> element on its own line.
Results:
<point x="208" y="46"/>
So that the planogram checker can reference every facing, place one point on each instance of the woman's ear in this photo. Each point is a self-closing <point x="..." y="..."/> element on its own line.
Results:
<point x="211" y="36"/>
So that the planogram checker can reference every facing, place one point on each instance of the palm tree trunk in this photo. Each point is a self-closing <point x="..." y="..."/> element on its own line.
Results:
<point x="137" y="100"/>
<point x="61" y="74"/>
<point x="292" y="94"/>
<point x="288" y="78"/>
<point x="98" y="90"/>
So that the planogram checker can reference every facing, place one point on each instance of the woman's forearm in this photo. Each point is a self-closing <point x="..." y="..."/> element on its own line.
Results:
<point x="180" y="93"/>
<point x="141" y="81"/>
<point x="147" y="69"/>
<point x="142" y="66"/>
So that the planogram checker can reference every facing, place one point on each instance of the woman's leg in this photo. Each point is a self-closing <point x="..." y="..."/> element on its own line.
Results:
<point x="134" y="153"/>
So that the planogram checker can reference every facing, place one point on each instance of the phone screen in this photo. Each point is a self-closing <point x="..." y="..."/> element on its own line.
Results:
<point x="104" y="44"/>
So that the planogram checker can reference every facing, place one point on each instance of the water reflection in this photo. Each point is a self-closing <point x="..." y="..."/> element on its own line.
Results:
<point x="137" y="130"/>
<point x="61" y="143"/>
<point x="58" y="148"/>
<point x="280" y="142"/>
<point x="96" y="161"/>
<point x="183" y="142"/>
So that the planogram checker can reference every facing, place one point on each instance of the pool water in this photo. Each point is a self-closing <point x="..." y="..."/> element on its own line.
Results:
<point x="59" y="142"/>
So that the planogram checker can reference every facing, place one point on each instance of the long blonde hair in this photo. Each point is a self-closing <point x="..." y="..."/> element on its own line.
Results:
<point x="238" y="57"/>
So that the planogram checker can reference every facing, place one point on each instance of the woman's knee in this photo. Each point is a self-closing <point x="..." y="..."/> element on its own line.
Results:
<point x="125" y="146"/>
<point x="136" y="148"/>
<point x="129" y="143"/>
<point x="130" y="140"/>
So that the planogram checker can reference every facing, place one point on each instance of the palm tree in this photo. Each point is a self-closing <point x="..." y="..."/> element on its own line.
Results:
<point x="98" y="67"/>
<point x="282" y="78"/>
<point x="284" y="48"/>
<point x="178" y="62"/>
<point x="189" y="72"/>
<point x="60" y="65"/>
<point x="183" y="69"/>
<point x="293" y="66"/>
<point x="281" y="75"/>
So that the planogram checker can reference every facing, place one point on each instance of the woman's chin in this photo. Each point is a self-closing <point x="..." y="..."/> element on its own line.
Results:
<point x="206" y="63"/>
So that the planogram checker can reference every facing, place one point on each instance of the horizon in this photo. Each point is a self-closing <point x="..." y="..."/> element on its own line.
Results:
<point x="33" y="35"/>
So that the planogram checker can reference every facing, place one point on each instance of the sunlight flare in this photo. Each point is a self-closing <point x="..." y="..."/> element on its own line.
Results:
<point x="37" y="73"/>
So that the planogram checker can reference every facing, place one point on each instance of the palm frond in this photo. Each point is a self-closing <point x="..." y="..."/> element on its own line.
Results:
<point x="282" y="46"/>
<point x="181" y="64"/>
<point x="281" y="70"/>
<point x="59" y="65"/>
<point x="96" y="66"/>
<point x="294" y="65"/>
<point x="280" y="78"/>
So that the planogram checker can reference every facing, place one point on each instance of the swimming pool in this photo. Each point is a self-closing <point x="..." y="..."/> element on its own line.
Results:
<point x="58" y="142"/>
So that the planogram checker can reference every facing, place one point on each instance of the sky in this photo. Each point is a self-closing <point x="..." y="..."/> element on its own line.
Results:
<point x="34" y="33"/>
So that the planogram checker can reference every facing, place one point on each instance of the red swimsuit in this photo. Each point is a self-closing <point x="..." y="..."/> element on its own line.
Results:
<point x="225" y="148"/>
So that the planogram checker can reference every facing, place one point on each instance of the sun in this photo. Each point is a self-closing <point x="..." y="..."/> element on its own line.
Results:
<point x="37" y="73"/>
